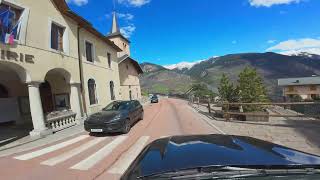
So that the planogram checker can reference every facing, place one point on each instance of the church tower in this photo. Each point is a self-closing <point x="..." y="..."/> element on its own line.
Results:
<point x="118" y="39"/>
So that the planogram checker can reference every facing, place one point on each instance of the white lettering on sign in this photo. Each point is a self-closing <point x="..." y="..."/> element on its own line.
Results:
<point x="13" y="56"/>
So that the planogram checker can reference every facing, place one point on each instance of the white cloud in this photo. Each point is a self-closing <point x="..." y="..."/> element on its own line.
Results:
<point x="127" y="31"/>
<point x="297" y="46"/>
<point x="126" y="16"/>
<point x="135" y="3"/>
<point x="271" y="41"/>
<point x="269" y="3"/>
<point x="78" y="2"/>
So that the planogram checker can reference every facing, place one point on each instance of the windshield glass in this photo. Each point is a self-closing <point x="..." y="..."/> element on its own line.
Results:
<point x="117" y="106"/>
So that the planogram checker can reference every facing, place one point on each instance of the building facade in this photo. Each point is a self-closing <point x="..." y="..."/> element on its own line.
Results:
<point x="53" y="61"/>
<point x="128" y="67"/>
<point x="307" y="88"/>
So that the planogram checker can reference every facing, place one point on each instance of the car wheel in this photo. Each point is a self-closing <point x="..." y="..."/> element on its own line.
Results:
<point x="127" y="127"/>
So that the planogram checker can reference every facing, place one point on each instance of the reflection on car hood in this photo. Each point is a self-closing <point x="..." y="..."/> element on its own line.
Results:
<point x="103" y="116"/>
<point x="184" y="152"/>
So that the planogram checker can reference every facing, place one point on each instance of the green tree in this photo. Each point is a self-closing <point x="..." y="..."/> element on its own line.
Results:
<point x="227" y="91"/>
<point x="201" y="90"/>
<point x="251" y="88"/>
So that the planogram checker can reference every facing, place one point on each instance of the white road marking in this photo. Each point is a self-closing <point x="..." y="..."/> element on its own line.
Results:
<point x="128" y="157"/>
<point x="6" y="140"/>
<point x="65" y="156"/>
<point x="99" y="155"/>
<point x="49" y="149"/>
<point x="206" y="120"/>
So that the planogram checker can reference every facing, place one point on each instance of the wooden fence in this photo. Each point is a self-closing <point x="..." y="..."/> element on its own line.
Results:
<point x="228" y="113"/>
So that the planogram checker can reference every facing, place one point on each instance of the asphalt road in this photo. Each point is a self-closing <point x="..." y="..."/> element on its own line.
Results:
<point x="104" y="156"/>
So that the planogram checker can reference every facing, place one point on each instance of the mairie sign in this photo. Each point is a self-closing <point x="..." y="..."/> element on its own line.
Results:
<point x="8" y="55"/>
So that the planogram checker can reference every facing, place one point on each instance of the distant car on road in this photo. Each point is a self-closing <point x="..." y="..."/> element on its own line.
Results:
<point x="118" y="116"/>
<point x="221" y="157"/>
<point x="154" y="99"/>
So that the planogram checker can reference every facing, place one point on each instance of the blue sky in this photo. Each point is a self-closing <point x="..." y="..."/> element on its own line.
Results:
<point x="171" y="31"/>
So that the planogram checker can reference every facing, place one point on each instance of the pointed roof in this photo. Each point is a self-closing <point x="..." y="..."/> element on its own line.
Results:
<point x="115" y="30"/>
<point x="115" y="26"/>
<point x="134" y="62"/>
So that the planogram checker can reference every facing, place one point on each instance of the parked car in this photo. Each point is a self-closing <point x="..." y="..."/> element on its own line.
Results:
<point x="221" y="157"/>
<point x="154" y="99"/>
<point x="118" y="116"/>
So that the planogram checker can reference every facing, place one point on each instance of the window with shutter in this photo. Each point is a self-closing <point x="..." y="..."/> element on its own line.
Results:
<point x="109" y="60"/>
<point x="60" y="39"/>
<point x="57" y="33"/>
<point x="92" y="92"/>
<point x="113" y="97"/>
<point x="89" y="51"/>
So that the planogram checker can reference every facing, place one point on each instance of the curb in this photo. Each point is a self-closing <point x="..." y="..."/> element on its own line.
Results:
<point x="204" y="118"/>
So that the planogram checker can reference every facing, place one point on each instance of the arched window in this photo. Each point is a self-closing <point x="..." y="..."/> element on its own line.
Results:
<point x="3" y="92"/>
<point x="130" y="95"/>
<point x="109" y="60"/>
<point x="92" y="92"/>
<point x="113" y="97"/>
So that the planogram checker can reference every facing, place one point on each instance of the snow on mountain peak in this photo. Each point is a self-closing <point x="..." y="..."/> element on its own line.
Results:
<point x="184" y="64"/>
<point x="310" y="52"/>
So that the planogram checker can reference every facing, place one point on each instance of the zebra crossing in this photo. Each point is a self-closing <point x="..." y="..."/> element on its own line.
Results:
<point x="99" y="155"/>
<point x="68" y="150"/>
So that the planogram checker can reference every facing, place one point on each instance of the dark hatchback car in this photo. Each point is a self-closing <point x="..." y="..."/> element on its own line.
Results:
<point x="221" y="157"/>
<point x="118" y="116"/>
<point x="154" y="99"/>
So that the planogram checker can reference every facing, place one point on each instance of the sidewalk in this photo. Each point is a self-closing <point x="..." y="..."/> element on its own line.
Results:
<point x="299" y="133"/>
<point x="27" y="143"/>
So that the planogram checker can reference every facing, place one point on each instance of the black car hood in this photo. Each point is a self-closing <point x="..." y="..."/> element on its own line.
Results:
<point x="184" y="152"/>
<point x="103" y="116"/>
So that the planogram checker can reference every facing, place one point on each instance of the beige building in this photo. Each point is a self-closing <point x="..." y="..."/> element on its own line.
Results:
<point x="59" y="68"/>
<point x="308" y="88"/>
<point x="129" y="68"/>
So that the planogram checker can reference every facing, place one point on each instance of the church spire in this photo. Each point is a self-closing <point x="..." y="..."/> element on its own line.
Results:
<point x="115" y="26"/>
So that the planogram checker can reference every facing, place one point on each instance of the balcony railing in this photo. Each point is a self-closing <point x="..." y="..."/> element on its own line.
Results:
<point x="61" y="120"/>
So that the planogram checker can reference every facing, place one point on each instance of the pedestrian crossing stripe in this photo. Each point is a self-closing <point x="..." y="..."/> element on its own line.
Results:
<point x="49" y="149"/>
<point x="120" y="166"/>
<point x="65" y="156"/>
<point x="89" y="162"/>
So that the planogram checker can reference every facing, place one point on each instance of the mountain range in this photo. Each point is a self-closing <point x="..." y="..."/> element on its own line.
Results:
<point x="271" y="66"/>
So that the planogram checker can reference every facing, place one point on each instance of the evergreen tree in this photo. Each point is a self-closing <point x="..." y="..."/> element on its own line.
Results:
<point x="227" y="91"/>
<point x="251" y="88"/>
<point x="202" y="91"/>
